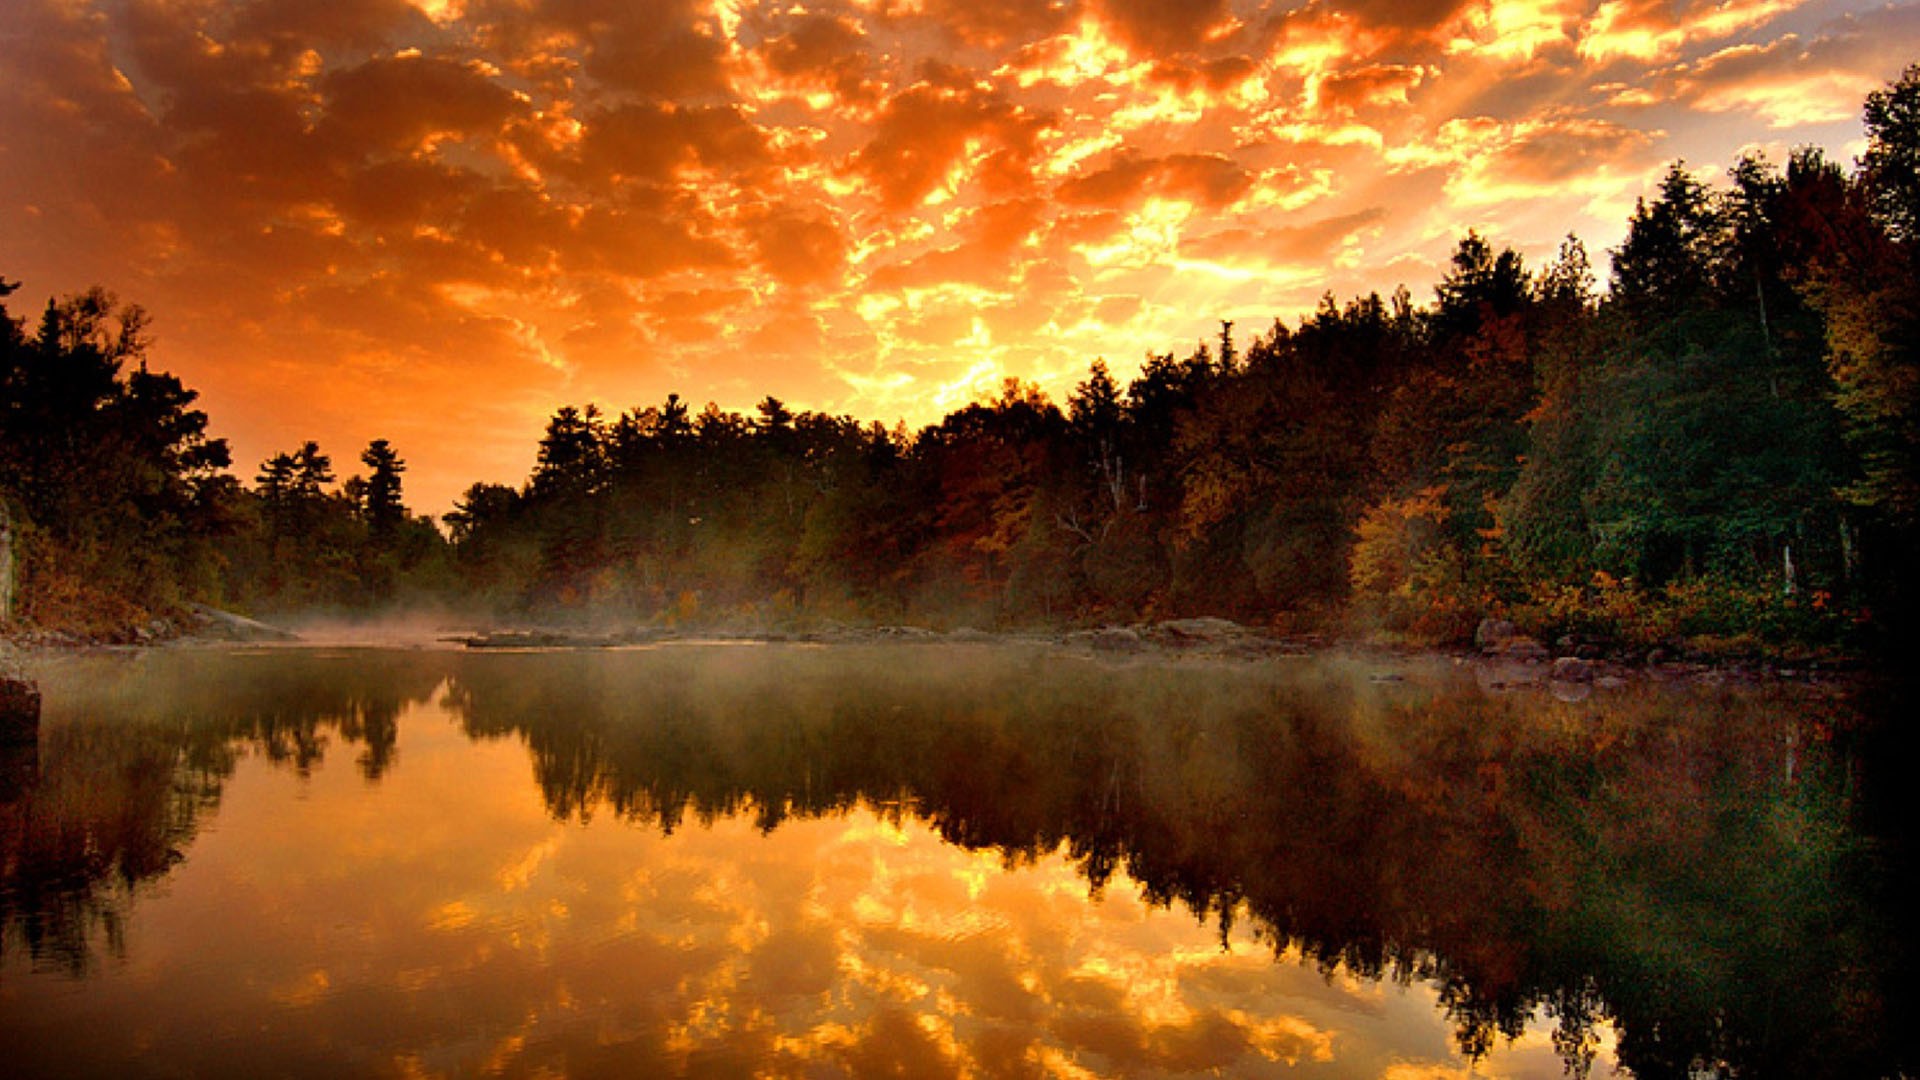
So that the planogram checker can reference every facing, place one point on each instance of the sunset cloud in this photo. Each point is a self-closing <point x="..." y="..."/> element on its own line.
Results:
<point x="863" y="206"/>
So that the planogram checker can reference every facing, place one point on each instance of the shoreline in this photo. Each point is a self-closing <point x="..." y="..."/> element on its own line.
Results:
<point x="1503" y="661"/>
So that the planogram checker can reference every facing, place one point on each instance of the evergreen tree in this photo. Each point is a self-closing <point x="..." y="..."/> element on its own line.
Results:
<point x="381" y="503"/>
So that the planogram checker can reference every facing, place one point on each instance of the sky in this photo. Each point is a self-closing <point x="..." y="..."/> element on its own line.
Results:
<point x="437" y="221"/>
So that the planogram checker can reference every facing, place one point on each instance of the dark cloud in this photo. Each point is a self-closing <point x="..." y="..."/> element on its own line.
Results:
<point x="959" y="265"/>
<point x="1209" y="1042"/>
<point x="1375" y="84"/>
<point x="654" y="141"/>
<point x="518" y="222"/>
<point x="646" y="244"/>
<point x="1001" y="24"/>
<point x="302" y="24"/>
<point x="1307" y="244"/>
<point x="1211" y="180"/>
<point x="1565" y="150"/>
<point x="236" y="120"/>
<point x="1002" y="226"/>
<point x="892" y="1044"/>
<point x="393" y="102"/>
<point x="406" y="191"/>
<point x="1084" y="227"/>
<point x="988" y="257"/>
<point x="798" y="246"/>
<point x="661" y="48"/>
<point x="75" y="141"/>
<point x="1407" y="16"/>
<point x="924" y="131"/>
<point x="826" y="51"/>
<point x="1220" y="73"/>
<point x="1162" y="27"/>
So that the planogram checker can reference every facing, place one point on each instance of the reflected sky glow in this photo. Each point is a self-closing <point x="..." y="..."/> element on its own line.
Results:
<point x="923" y="860"/>
<point x="442" y="921"/>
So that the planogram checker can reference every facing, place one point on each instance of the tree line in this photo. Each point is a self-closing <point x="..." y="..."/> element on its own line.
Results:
<point x="1722" y="443"/>
<point x="124" y="510"/>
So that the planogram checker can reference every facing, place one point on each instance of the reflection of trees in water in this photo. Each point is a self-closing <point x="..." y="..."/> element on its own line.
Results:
<point x="1653" y="864"/>
<point x="131" y="760"/>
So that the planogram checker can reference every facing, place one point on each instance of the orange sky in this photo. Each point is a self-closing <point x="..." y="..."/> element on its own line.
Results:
<point x="437" y="221"/>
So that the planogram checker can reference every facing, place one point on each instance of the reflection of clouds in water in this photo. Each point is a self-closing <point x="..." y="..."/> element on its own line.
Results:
<point x="443" y="921"/>
<point x="636" y="908"/>
<point x="853" y="943"/>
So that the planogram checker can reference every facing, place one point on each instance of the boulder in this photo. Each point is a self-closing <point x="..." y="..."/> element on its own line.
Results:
<point x="226" y="626"/>
<point x="1194" y="633"/>
<point x="1523" y="648"/>
<point x="1113" y="639"/>
<point x="1493" y="635"/>
<point x="1572" y="669"/>
<point x="19" y="710"/>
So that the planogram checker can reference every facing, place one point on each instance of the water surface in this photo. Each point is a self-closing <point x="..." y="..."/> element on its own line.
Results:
<point x="922" y="860"/>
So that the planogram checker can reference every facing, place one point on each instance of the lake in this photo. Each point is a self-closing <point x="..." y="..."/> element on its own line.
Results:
<point x="928" y="860"/>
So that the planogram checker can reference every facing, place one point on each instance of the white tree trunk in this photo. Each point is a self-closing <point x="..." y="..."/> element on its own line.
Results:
<point x="6" y="563"/>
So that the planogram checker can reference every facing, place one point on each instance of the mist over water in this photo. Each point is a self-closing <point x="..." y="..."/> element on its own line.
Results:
<point x="939" y="859"/>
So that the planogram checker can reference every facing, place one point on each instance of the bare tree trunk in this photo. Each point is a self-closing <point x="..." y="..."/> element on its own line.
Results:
<point x="6" y="563"/>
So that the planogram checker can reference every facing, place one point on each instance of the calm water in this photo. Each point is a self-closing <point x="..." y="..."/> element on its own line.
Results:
<point x="923" y="861"/>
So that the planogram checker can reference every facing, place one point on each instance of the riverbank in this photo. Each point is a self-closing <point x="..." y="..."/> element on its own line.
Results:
<point x="1500" y="657"/>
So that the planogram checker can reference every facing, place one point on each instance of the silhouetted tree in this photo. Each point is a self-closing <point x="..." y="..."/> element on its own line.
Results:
<point x="384" y="510"/>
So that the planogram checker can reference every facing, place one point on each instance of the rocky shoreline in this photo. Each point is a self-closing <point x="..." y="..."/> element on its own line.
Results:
<point x="19" y="701"/>
<point x="1501" y="656"/>
<point x="198" y="623"/>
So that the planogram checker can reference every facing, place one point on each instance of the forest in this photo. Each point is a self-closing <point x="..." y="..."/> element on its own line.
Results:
<point x="1720" y="447"/>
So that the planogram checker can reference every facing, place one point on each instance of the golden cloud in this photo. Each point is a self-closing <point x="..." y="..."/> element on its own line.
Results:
<point x="1067" y="169"/>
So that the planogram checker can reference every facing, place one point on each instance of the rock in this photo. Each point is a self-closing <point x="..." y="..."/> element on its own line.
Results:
<point x="1113" y="639"/>
<point x="1524" y="648"/>
<point x="1493" y="635"/>
<point x="1202" y="628"/>
<point x="538" y="639"/>
<point x="1194" y="633"/>
<point x="19" y="710"/>
<point x="1572" y="669"/>
<point x="226" y="626"/>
